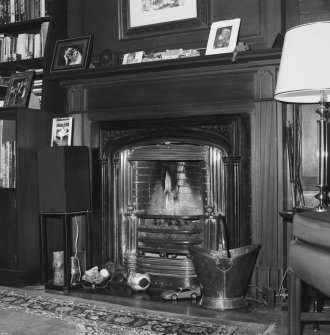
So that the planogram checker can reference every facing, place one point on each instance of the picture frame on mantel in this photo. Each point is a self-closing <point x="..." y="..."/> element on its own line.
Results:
<point x="223" y="37"/>
<point x="144" y="18"/>
<point x="72" y="54"/>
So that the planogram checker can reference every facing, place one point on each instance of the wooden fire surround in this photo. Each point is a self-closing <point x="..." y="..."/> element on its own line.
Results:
<point x="195" y="88"/>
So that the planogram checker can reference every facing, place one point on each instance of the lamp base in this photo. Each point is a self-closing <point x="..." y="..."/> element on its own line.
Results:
<point x="323" y="198"/>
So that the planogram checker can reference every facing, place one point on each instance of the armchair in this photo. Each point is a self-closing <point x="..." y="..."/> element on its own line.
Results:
<point x="309" y="262"/>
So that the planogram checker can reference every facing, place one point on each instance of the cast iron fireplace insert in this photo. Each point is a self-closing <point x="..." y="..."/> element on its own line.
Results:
<point x="162" y="188"/>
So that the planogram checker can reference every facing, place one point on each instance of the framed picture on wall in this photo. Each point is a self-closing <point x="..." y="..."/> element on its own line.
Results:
<point x="223" y="37"/>
<point x="19" y="89"/>
<point x="143" y="18"/>
<point x="72" y="54"/>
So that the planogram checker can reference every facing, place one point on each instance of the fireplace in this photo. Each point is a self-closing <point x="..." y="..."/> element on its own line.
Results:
<point x="164" y="186"/>
<point x="196" y="101"/>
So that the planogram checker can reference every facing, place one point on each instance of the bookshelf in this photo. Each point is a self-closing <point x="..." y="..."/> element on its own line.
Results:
<point x="29" y="130"/>
<point x="28" y="36"/>
<point x="19" y="203"/>
<point x="23" y="33"/>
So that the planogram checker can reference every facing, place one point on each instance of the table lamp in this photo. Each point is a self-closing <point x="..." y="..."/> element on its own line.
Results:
<point x="304" y="78"/>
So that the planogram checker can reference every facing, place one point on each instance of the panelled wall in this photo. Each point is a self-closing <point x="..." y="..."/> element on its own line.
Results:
<point x="260" y="24"/>
<point x="248" y="87"/>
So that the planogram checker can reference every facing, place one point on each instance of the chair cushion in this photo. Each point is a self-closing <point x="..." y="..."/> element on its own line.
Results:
<point x="311" y="264"/>
<point x="312" y="227"/>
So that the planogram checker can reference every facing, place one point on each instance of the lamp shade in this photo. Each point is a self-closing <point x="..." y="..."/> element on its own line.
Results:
<point x="304" y="74"/>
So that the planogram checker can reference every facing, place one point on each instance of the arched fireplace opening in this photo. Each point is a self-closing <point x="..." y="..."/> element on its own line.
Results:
<point x="162" y="189"/>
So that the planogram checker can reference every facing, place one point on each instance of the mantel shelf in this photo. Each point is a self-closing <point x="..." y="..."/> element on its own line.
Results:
<point x="243" y="58"/>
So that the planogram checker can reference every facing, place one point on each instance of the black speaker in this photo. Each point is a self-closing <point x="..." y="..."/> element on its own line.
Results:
<point x="63" y="174"/>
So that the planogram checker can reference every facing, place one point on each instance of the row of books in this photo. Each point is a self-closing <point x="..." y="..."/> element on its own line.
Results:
<point x="8" y="164"/>
<point x="37" y="88"/>
<point x="23" y="46"/>
<point x="12" y="11"/>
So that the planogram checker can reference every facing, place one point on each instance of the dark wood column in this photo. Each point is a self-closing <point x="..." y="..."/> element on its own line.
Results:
<point x="103" y="167"/>
<point x="232" y="164"/>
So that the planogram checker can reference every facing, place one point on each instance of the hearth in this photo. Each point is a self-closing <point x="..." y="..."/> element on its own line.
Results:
<point x="165" y="188"/>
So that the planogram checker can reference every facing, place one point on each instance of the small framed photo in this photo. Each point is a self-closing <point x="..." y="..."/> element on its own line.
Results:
<point x="62" y="131"/>
<point x="223" y="37"/>
<point x="72" y="54"/>
<point x="19" y="89"/>
<point x="133" y="57"/>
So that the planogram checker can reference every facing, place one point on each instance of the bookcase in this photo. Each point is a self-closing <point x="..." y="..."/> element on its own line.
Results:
<point x="28" y="34"/>
<point x="19" y="205"/>
<point x="23" y="33"/>
<point x="30" y="129"/>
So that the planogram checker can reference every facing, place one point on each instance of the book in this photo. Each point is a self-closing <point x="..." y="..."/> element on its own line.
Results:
<point x="42" y="8"/>
<point x="8" y="154"/>
<point x="9" y="166"/>
<point x="36" y="9"/>
<point x="2" y="166"/>
<point x="37" y="45"/>
<point x="62" y="131"/>
<point x="12" y="11"/>
<point x="34" y="101"/>
<point x="43" y="34"/>
<point x="14" y="164"/>
<point x="22" y="47"/>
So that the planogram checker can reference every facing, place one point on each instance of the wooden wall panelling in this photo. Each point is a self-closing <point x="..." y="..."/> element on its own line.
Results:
<point x="265" y="178"/>
<point x="291" y="13"/>
<point x="267" y="171"/>
<point x="261" y="22"/>
<point x="166" y="90"/>
<point x="261" y="19"/>
<point x="314" y="6"/>
<point x="314" y="10"/>
<point x="76" y="15"/>
<point x="53" y="96"/>
<point x="304" y="11"/>
<point x="76" y="99"/>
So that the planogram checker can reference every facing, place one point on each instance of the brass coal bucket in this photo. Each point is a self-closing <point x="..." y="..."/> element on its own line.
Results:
<point x="224" y="280"/>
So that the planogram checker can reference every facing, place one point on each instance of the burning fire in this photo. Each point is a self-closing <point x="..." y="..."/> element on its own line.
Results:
<point x="167" y="190"/>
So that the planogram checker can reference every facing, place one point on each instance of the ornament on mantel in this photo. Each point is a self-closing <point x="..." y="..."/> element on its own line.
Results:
<point x="241" y="46"/>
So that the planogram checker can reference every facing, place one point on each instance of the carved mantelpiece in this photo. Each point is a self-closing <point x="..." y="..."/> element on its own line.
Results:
<point x="206" y="85"/>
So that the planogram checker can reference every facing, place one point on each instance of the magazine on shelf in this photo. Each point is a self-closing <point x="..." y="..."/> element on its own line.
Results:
<point x="62" y="131"/>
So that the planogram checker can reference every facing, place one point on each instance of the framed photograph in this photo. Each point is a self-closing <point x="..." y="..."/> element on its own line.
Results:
<point x="223" y="37"/>
<point x="19" y="89"/>
<point x="133" y="57"/>
<point x="62" y="131"/>
<point x="72" y="54"/>
<point x="144" y="18"/>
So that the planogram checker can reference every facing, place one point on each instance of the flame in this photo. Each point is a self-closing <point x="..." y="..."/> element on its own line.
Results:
<point x="168" y="183"/>
<point x="167" y="189"/>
